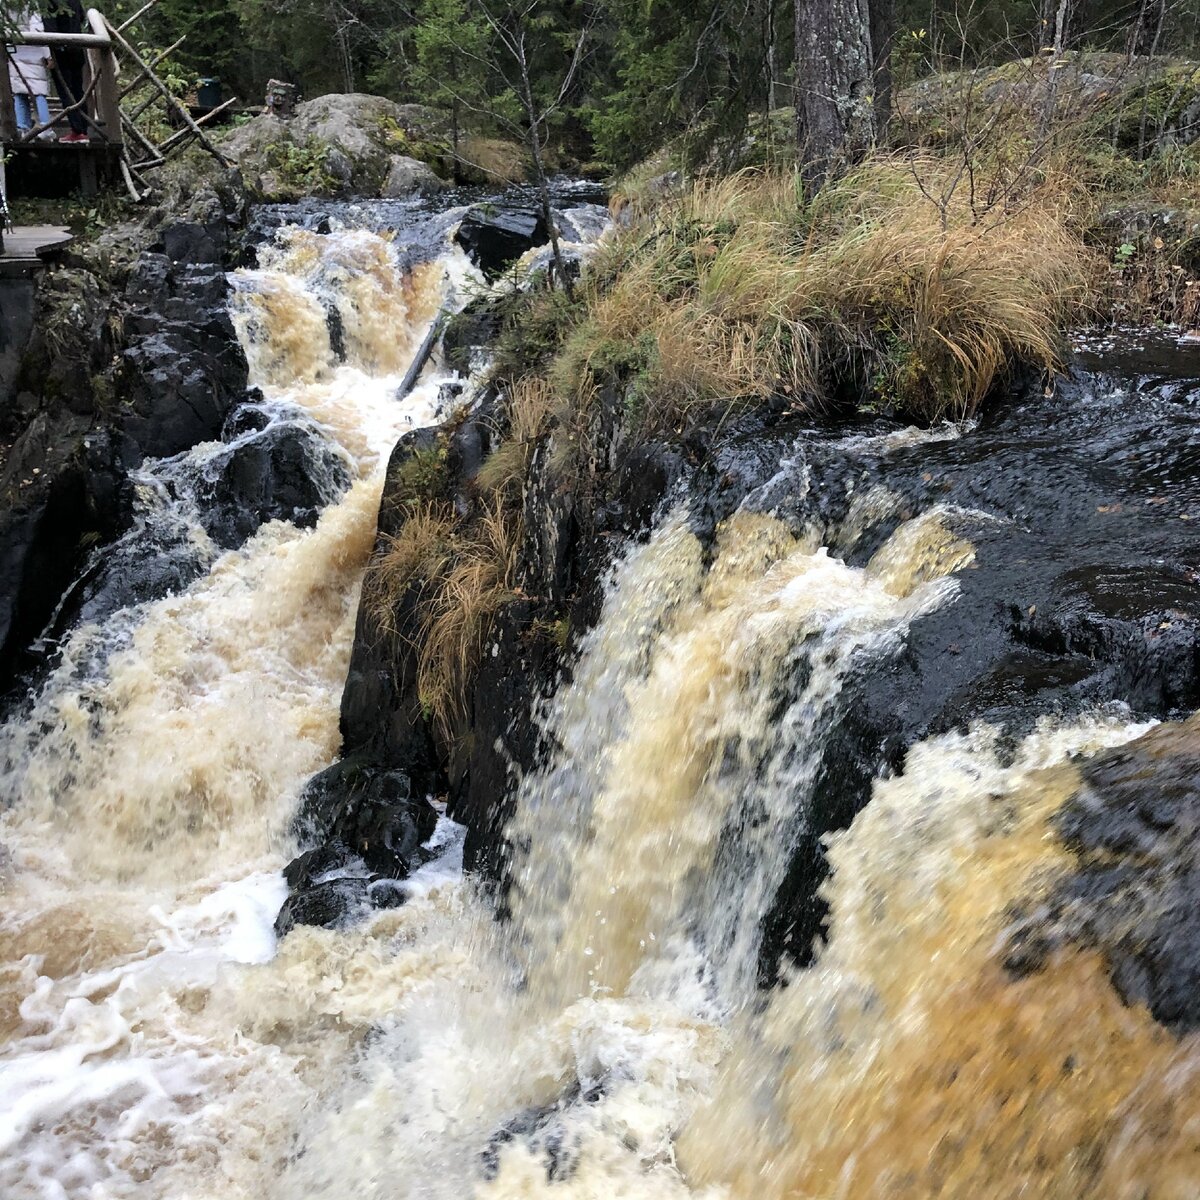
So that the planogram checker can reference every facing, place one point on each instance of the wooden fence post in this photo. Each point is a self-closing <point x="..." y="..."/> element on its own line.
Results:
<point x="8" y="113"/>
<point x="103" y="65"/>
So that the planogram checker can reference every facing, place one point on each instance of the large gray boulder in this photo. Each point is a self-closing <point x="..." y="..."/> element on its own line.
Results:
<point x="409" y="177"/>
<point x="336" y="145"/>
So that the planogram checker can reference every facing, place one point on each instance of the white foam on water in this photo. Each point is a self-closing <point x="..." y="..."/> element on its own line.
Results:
<point x="153" y="783"/>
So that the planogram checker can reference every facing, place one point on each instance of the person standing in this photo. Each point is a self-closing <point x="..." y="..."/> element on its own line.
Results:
<point x="29" y="75"/>
<point x="66" y="16"/>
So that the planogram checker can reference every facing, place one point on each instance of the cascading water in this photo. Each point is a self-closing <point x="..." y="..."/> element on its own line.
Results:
<point x="609" y="1039"/>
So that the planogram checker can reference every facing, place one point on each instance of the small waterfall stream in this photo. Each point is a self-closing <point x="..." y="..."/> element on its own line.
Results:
<point x="611" y="1039"/>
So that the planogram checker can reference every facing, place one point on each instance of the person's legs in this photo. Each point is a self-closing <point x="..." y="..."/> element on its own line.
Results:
<point x="21" y="107"/>
<point x="68" y="69"/>
<point x="43" y="110"/>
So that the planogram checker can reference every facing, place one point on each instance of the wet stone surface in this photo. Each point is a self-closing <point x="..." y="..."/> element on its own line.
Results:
<point x="1136" y="895"/>
<point x="1085" y="590"/>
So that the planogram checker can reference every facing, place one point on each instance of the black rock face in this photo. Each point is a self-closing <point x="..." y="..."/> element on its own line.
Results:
<point x="1134" y="823"/>
<point x="63" y="490"/>
<point x="496" y="236"/>
<point x="145" y="371"/>
<point x="182" y="369"/>
<point x="365" y="830"/>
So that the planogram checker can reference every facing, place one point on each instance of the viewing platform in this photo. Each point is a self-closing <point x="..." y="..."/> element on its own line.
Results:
<point x="96" y="141"/>
<point x="27" y="248"/>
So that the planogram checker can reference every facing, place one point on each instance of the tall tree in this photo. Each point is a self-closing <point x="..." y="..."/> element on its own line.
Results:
<point x="883" y="36"/>
<point x="537" y="55"/>
<point x="450" y="43"/>
<point x="835" y="69"/>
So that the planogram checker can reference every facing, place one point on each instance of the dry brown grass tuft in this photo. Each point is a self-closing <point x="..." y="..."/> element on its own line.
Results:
<point x="455" y="621"/>
<point x="528" y="407"/>
<point x="742" y="290"/>
<point x="415" y="555"/>
<point x="464" y="573"/>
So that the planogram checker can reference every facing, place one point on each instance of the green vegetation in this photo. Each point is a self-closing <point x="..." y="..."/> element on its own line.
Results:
<point x="653" y="72"/>
<point x="302" y="169"/>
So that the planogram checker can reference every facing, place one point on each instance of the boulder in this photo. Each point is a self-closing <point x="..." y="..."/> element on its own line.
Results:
<point x="495" y="237"/>
<point x="409" y="177"/>
<point x="338" y="145"/>
<point x="365" y="832"/>
<point x="285" y="472"/>
<point x="327" y="886"/>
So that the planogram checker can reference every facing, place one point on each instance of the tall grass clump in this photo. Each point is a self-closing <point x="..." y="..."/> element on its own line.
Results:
<point x="459" y="573"/>
<point x="870" y="293"/>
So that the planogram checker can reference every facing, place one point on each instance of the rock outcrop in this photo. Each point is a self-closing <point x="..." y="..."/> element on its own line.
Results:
<point x="132" y="355"/>
<point x="341" y="145"/>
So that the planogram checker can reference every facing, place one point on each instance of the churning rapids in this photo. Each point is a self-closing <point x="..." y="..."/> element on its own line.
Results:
<point x="612" y="1037"/>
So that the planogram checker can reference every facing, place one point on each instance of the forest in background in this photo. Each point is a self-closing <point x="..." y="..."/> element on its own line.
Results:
<point x="621" y="78"/>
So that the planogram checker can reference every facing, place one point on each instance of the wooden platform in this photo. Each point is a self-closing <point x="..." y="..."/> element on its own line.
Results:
<point x="28" y="247"/>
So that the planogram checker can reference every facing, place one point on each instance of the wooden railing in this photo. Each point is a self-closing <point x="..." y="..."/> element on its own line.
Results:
<point x="100" y="103"/>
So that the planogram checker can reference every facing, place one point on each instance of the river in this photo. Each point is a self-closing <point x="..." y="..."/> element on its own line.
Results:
<point x="612" y="1038"/>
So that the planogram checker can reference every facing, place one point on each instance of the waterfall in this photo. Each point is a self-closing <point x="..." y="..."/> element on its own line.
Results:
<point x="151" y="786"/>
<point x="610" y="1037"/>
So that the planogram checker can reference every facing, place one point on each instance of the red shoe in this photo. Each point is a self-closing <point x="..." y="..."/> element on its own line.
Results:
<point x="74" y="139"/>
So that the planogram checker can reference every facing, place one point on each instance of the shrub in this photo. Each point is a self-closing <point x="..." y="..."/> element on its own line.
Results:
<point x="743" y="290"/>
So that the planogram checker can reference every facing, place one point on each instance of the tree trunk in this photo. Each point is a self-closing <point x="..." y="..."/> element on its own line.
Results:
<point x="1057" y="47"/>
<point x="835" y="122"/>
<point x="539" y="167"/>
<point x="770" y="56"/>
<point x="1158" y="29"/>
<point x="883" y="34"/>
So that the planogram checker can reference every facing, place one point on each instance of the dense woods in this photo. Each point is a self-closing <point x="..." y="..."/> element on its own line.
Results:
<point x="613" y="80"/>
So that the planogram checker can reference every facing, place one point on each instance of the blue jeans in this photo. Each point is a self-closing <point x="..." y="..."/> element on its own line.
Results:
<point x="25" y="117"/>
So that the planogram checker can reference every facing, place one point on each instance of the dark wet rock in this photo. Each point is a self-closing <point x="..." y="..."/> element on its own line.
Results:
<point x="543" y="1131"/>
<point x="182" y="369"/>
<point x="1084" y="590"/>
<point x="250" y="417"/>
<point x="370" y="809"/>
<point x="1139" y="624"/>
<point x="1135" y="897"/>
<point x="63" y="492"/>
<point x="285" y="472"/>
<point x="337" y="331"/>
<point x="328" y="886"/>
<point x="495" y="237"/>
<point x="152" y="560"/>
<point x="132" y="354"/>
<point x="365" y="833"/>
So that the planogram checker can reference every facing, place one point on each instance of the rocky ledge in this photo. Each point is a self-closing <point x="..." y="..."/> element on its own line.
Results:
<point x="365" y="146"/>
<point x="1082" y="593"/>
